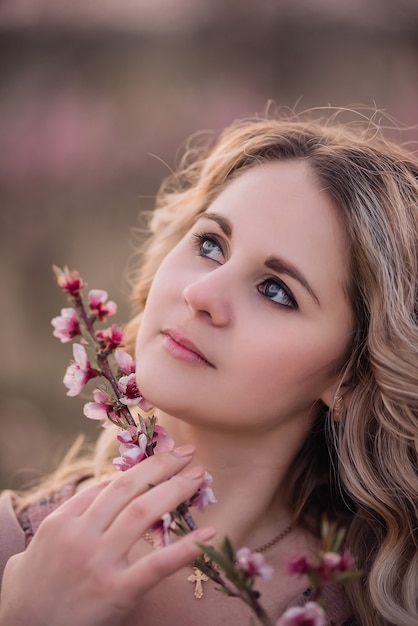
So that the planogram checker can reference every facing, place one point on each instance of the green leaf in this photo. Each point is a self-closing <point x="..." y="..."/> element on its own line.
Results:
<point x="228" y="550"/>
<point x="200" y="564"/>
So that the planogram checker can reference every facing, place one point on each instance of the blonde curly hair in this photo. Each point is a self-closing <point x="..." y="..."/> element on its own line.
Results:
<point x="363" y="468"/>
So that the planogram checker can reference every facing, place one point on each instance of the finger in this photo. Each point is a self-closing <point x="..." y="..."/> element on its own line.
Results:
<point x="137" y="517"/>
<point x="162" y="562"/>
<point x="79" y="502"/>
<point x="130" y="484"/>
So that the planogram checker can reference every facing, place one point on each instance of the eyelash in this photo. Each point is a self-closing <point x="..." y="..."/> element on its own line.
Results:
<point x="291" y="302"/>
<point x="199" y="239"/>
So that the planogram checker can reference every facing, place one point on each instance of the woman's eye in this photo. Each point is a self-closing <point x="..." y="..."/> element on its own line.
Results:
<point x="276" y="291"/>
<point x="207" y="246"/>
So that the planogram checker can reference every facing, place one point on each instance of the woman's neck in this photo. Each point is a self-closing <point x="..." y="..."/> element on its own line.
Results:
<point x="248" y="473"/>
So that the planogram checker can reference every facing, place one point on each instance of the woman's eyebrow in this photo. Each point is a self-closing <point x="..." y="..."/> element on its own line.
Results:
<point x="222" y="222"/>
<point x="283" y="267"/>
<point x="273" y="263"/>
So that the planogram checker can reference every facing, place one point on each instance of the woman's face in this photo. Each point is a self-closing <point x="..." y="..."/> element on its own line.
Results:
<point x="247" y="323"/>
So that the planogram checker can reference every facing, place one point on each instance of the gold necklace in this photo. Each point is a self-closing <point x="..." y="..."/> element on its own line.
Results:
<point x="198" y="577"/>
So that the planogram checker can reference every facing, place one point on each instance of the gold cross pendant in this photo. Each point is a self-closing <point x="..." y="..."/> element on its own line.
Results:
<point x="198" y="578"/>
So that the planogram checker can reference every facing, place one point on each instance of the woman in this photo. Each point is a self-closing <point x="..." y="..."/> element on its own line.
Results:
<point x="277" y="315"/>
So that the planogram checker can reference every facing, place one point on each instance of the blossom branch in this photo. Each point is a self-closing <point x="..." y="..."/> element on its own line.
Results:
<point x="242" y="576"/>
<point x="72" y="284"/>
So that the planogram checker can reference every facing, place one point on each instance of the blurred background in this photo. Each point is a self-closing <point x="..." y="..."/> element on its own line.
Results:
<point x="95" y="99"/>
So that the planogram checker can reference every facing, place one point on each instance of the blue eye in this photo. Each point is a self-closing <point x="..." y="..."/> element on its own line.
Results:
<point x="276" y="291"/>
<point x="207" y="246"/>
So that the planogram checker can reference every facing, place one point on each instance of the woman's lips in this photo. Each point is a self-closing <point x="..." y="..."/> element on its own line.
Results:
<point x="176" y="344"/>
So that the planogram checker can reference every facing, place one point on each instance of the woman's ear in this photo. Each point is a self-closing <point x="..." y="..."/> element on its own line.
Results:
<point x="333" y="398"/>
<point x="328" y="397"/>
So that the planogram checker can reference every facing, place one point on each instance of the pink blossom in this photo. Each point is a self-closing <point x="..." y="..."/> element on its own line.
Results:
<point x="135" y="446"/>
<point x="130" y="392"/>
<point x="79" y="372"/>
<point x="161" y="530"/>
<point x="125" y="362"/>
<point x="70" y="281"/>
<point x="98" y="304"/>
<point x="339" y="562"/>
<point x="110" y="338"/>
<point x="66" y="326"/>
<point x="309" y="615"/>
<point x="131" y="396"/>
<point x="129" y="435"/>
<point x="299" y="565"/>
<point x="254" y="564"/>
<point x="204" y="495"/>
<point x="101" y="409"/>
<point x="130" y="453"/>
<point x="162" y="440"/>
<point x="127" y="366"/>
<point x="332" y="563"/>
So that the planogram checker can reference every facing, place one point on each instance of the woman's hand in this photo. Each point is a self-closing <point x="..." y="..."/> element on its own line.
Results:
<point x="79" y="567"/>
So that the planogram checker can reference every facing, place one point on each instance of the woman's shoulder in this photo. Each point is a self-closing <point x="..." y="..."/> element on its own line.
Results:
<point x="338" y="612"/>
<point x="12" y="535"/>
<point x="31" y="516"/>
<point x="337" y="606"/>
<point x="21" y="517"/>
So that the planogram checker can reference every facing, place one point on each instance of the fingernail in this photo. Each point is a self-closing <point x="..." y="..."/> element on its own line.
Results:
<point x="194" y="473"/>
<point x="184" y="451"/>
<point x="204" y="534"/>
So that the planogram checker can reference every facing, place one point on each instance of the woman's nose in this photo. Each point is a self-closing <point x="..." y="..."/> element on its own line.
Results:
<point x="209" y="296"/>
